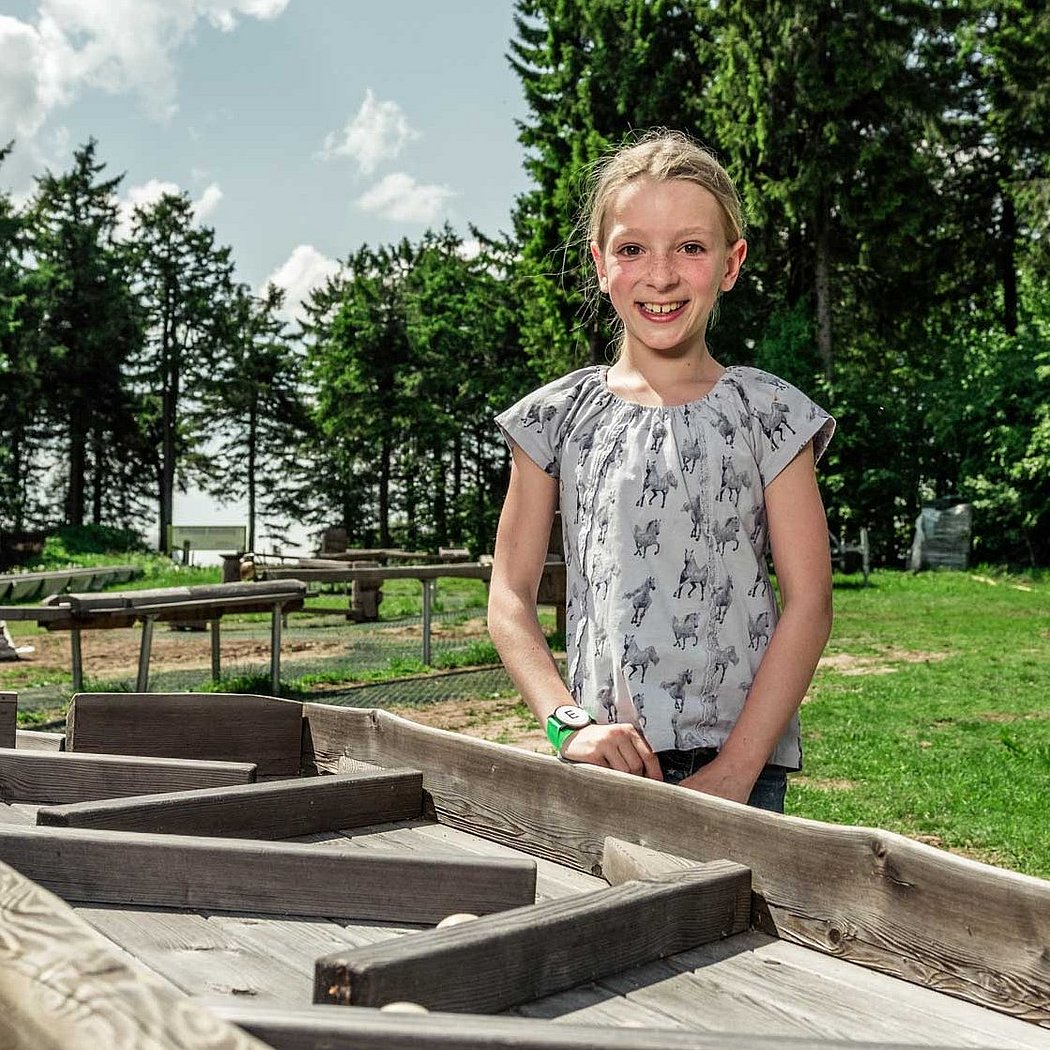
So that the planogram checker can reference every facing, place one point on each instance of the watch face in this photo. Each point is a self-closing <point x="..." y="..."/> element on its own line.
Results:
<point x="572" y="716"/>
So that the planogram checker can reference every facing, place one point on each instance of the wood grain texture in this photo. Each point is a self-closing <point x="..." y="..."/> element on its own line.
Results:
<point x="623" y="861"/>
<point x="336" y="1028"/>
<point x="182" y="871"/>
<point x="226" y="726"/>
<point x="62" y="776"/>
<point x="870" y="896"/>
<point x="64" y="987"/>
<point x="8" y="718"/>
<point x="494" y="963"/>
<point x="278" y="809"/>
<point x="33" y="740"/>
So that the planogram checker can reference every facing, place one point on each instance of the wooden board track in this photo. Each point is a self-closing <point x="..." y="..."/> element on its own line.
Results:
<point x="278" y="809"/>
<point x="64" y="777"/>
<point x="63" y="985"/>
<point x="8" y="718"/>
<point x="869" y="896"/>
<point x="230" y="727"/>
<point x="181" y="871"/>
<point x="491" y="964"/>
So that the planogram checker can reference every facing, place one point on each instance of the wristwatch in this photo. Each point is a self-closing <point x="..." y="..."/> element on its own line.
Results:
<point x="563" y="721"/>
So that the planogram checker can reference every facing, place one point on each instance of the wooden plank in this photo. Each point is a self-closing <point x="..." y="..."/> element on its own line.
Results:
<point x="63" y="987"/>
<point x="336" y="1028"/>
<point x="870" y="896"/>
<point x="623" y="861"/>
<point x="494" y="963"/>
<point x="182" y="871"/>
<point x="33" y="740"/>
<point x="278" y="809"/>
<point x="8" y="718"/>
<point x="62" y="776"/>
<point x="229" y="727"/>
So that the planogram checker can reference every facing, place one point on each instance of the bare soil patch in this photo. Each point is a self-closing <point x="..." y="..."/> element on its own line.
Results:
<point x="882" y="663"/>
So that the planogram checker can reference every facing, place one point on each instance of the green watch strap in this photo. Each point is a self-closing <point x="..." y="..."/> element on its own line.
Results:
<point x="557" y="734"/>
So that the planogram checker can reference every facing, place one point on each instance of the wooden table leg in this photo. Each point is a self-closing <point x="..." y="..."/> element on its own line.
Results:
<point x="142" y="683"/>
<point x="216" y="670"/>
<point x="275" y="649"/>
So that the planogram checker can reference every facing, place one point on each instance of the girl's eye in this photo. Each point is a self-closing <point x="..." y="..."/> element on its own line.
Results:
<point x="630" y="250"/>
<point x="692" y="248"/>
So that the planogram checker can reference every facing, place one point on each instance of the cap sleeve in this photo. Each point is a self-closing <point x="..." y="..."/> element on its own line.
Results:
<point x="783" y="422"/>
<point x="537" y="423"/>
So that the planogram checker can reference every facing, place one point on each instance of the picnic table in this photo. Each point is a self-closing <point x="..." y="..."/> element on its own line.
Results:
<point x="208" y="603"/>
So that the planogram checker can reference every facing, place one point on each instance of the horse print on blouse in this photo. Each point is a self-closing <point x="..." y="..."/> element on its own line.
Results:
<point x="692" y="453"/>
<point x="647" y="537"/>
<point x="725" y="532"/>
<point x="758" y="630"/>
<point x="538" y="417"/>
<point x="637" y="658"/>
<point x="675" y="689"/>
<point x="732" y="481"/>
<point x="721" y="659"/>
<point x="694" y="575"/>
<point x="641" y="598"/>
<point x="721" y="599"/>
<point x="696" y="507"/>
<point x="686" y="630"/>
<point x="656" y="484"/>
<point x="607" y="700"/>
<point x="774" y="421"/>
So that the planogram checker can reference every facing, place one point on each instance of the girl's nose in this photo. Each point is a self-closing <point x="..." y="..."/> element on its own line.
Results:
<point x="662" y="271"/>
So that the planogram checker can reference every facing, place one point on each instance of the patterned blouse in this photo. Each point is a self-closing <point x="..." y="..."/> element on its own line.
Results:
<point x="669" y="605"/>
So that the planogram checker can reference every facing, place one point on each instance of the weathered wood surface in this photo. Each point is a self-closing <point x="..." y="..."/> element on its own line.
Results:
<point x="872" y="897"/>
<point x="228" y="727"/>
<point x="278" y="809"/>
<point x="487" y="965"/>
<point x="182" y="871"/>
<point x="623" y="861"/>
<point x="62" y="776"/>
<point x="336" y="1028"/>
<point x="34" y="740"/>
<point x="8" y="718"/>
<point x="64" y="987"/>
<point x="378" y="574"/>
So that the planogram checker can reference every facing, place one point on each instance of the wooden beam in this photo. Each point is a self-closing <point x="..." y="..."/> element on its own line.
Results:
<point x="229" y="727"/>
<point x="493" y="963"/>
<point x="33" y="740"/>
<point x="868" y="896"/>
<point x="623" y="861"/>
<point x="181" y="871"/>
<point x="278" y="809"/>
<point x="62" y="776"/>
<point x="65" y="987"/>
<point x="336" y="1028"/>
<point x="8" y="718"/>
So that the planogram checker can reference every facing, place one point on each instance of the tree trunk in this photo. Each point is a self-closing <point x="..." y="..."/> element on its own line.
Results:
<point x="169" y="403"/>
<point x="822" y="282"/>
<point x="77" y="467"/>
<point x="385" y="452"/>
<point x="457" y="489"/>
<point x="98" y="475"/>
<point x="1008" y="262"/>
<point x="440" y="498"/>
<point x="253" y="451"/>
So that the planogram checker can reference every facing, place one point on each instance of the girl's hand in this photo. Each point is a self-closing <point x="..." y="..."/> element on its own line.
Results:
<point x="722" y="779"/>
<point x="618" y="746"/>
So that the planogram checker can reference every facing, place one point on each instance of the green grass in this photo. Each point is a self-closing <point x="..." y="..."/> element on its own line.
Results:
<point x="932" y="717"/>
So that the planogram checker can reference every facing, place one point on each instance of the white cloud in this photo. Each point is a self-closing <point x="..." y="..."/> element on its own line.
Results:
<point x="400" y="198"/>
<point x="379" y="132"/>
<point x="149" y="192"/>
<point x="116" y="46"/>
<point x="303" y="271"/>
<point x="207" y="202"/>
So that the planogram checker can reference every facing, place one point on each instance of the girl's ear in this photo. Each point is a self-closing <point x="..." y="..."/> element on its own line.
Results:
<point x="599" y="266"/>
<point x="735" y="256"/>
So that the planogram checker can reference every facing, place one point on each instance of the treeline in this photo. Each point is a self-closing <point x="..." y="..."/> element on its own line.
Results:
<point x="893" y="161"/>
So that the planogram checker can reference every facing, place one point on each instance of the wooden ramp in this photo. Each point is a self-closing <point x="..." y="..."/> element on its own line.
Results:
<point x="291" y="905"/>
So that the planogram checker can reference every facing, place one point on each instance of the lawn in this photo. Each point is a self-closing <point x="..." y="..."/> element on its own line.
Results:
<point x="930" y="715"/>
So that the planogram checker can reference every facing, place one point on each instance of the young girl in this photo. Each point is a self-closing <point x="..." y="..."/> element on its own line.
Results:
<point x="673" y="474"/>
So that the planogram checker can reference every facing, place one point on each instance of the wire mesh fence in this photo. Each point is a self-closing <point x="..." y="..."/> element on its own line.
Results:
<point x="325" y="657"/>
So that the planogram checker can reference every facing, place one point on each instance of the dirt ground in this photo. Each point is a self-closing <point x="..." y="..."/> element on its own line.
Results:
<point x="115" y="654"/>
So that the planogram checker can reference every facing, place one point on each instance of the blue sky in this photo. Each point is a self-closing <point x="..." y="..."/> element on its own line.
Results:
<point x="302" y="128"/>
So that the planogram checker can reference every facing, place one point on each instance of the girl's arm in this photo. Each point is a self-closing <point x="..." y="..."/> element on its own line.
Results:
<point x="798" y="533"/>
<point x="521" y="550"/>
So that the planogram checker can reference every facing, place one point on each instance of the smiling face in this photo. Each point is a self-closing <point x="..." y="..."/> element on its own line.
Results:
<point x="664" y="262"/>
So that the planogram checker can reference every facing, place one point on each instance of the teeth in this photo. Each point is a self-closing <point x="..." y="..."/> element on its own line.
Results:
<point x="662" y="308"/>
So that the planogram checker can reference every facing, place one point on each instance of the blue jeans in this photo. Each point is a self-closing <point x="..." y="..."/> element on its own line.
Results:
<point x="768" y="792"/>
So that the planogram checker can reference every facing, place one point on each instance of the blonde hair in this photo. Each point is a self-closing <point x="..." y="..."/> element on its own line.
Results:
<point x="661" y="155"/>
